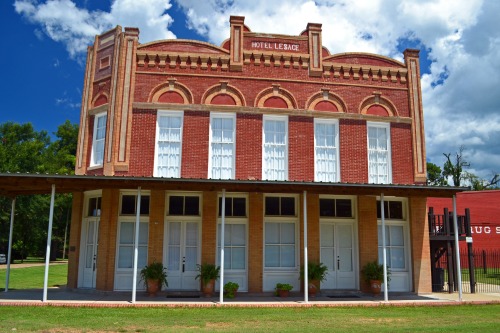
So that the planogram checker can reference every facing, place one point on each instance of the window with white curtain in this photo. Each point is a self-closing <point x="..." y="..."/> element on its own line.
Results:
<point x="275" y="148"/>
<point x="379" y="153"/>
<point x="168" y="144"/>
<point x="326" y="162"/>
<point x="222" y="146"/>
<point x="98" y="140"/>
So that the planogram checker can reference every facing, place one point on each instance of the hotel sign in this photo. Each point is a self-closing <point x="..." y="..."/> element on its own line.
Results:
<point x="275" y="46"/>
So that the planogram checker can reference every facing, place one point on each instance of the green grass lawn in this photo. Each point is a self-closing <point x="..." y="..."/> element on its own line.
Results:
<point x="32" y="277"/>
<point x="464" y="318"/>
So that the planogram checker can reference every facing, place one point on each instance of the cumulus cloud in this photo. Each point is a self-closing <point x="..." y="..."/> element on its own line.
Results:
<point x="64" y="22"/>
<point x="461" y="39"/>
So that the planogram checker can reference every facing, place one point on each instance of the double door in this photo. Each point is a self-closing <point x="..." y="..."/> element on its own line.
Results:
<point x="182" y="254"/>
<point x="338" y="254"/>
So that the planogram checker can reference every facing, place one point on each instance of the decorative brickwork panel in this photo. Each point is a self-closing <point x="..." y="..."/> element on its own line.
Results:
<point x="353" y="151"/>
<point x="195" y="144"/>
<point x="402" y="163"/>
<point x="301" y="148"/>
<point x="142" y="148"/>
<point x="248" y="146"/>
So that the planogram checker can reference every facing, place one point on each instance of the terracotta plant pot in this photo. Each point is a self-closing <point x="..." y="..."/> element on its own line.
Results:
<point x="375" y="287"/>
<point x="283" y="293"/>
<point x="208" y="288"/>
<point x="153" y="286"/>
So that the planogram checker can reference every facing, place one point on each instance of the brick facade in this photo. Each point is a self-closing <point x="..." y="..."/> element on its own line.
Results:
<point x="250" y="76"/>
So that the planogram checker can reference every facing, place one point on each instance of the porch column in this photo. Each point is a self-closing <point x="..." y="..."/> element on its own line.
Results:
<point x="306" y="275"/>
<point x="223" y="217"/>
<point x="384" y="250"/>
<point x="49" y="240"/>
<point x="457" y="249"/>
<point x="9" y="250"/>
<point x="136" y="244"/>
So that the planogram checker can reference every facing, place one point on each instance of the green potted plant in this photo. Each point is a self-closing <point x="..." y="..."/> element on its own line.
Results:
<point x="316" y="273"/>
<point x="154" y="276"/>
<point x="208" y="273"/>
<point x="283" y="289"/>
<point x="230" y="289"/>
<point x="373" y="273"/>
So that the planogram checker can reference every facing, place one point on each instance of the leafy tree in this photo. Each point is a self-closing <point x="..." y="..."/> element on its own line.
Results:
<point x="22" y="149"/>
<point x="435" y="176"/>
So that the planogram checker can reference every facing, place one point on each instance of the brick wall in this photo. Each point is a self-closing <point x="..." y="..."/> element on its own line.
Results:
<point x="367" y="234"/>
<point x="420" y="246"/>
<point x="156" y="226"/>
<point x="74" y="239"/>
<point x="255" y="241"/>
<point x="195" y="144"/>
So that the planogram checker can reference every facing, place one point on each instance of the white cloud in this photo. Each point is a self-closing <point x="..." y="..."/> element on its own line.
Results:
<point x="460" y="91"/>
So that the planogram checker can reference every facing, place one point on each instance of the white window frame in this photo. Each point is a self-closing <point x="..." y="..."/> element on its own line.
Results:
<point x="214" y="116"/>
<point x="266" y="171"/>
<point x="97" y="158"/>
<point x="399" y="276"/>
<point x="387" y="127"/>
<point x="283" y="219"/>
<point x="157" y="136"/>
<point x="332" y="176"/>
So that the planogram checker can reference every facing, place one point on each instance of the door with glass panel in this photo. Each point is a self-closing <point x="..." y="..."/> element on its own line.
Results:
<point x="337" y="253"/>
<point x="183" y="252"/>
<point x="90" y="234"/>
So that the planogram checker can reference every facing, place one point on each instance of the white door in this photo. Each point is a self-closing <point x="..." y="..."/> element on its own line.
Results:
<point x="337" y="253"/>
<point x="89" y="255"/>
<point x="182" y="255"/>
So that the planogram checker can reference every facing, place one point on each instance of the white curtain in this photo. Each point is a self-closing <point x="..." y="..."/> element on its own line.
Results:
<point x="275" y="146"/>
<point x="99" y="139"/>
<point x="169" y="146"/>
<point x="326" y="152"/>
<point x="222" y="148"/>
<point x="378" y="155"/>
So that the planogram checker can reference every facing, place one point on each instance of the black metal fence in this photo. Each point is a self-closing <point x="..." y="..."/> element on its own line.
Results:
<point x="486" y="274"/>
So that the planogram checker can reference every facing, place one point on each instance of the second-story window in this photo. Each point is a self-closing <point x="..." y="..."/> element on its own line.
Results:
<point x="222" y="146"/>
<point x="168" y="144"/>
<point x="379" y="153"/>
<point x="326" y="163"/>
<point x="99" y="138"/>
<point x="275" y="148"/>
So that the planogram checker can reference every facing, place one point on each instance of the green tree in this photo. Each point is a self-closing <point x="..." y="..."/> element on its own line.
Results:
<point x="435" y="175"/>
<point x="60" y="155"/>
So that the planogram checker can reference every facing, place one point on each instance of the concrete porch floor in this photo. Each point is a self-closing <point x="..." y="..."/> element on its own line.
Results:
<point x="66" y="297"/>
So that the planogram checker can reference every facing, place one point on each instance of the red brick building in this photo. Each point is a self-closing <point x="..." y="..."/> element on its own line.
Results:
<point x="288" y="133"/>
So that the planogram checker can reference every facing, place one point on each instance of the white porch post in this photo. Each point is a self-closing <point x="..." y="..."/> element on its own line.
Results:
<point x="457" y="249"/>
<point x="306" y="275"/>
<point x="384" y="249"/>
<point x="223" y="217"/>
<point x="9" y="250"/>
<point x="49" y="240"/>
<point x="136" y="244"/>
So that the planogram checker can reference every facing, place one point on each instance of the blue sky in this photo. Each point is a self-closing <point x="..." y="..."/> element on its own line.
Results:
<point x="45" y="41"/>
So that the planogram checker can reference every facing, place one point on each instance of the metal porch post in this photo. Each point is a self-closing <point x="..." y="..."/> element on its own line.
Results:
<point x="49" y="240"/>
<point x="470" y="254"/>
<point x="9" y="250"/>
<point x="384" y="249"/>
<point x="223" y="217"/>
<point x="457" y="250"/>
<point x="136" y="244"/>
<point x="306" y="260"/>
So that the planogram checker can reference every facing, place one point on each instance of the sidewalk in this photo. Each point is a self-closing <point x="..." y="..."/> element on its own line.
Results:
<point x="66" y="297"/>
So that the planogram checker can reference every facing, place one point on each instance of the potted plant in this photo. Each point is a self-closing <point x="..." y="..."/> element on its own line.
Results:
<point x="316" y="273"/>
<point x="230" y="289"/>
<point x="154" y="276"/>
<point x="208" y="273"/>
<point x="373" y="273"/>
<point x="283" y="289"/>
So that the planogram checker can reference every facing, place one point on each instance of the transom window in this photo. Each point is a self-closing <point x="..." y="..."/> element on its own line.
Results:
<point x="222" y="146"/>
<point x="280" y="206"/>
<point x="275" y="148"/>
<point x="184" y="205"/>
<point x="379" y="156"/>
<point x="129" y="204"/>
<point x="168" y="144"/>
<point x="326" y="164"/>
<point x="99" y="138"/>
<point x="94" y="206"/>
<point x="235" y="207"/>
<point x="333" y="207"/>
<point x="393" y="210"/>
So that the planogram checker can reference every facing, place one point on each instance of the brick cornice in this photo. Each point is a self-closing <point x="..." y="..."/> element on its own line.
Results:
<point x="359" y="71"/>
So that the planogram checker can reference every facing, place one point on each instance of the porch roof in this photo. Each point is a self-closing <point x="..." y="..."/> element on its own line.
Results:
<point x="13" y="184"/>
